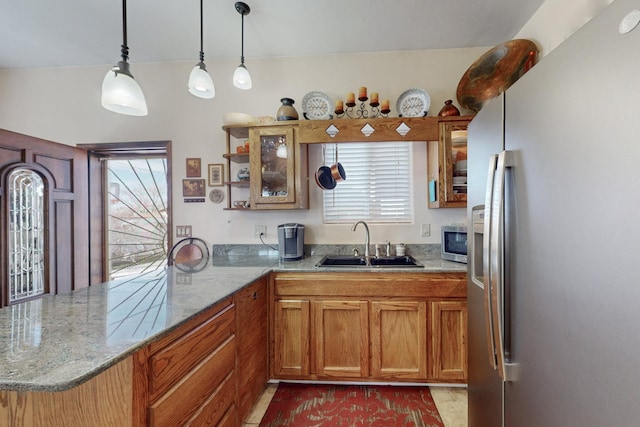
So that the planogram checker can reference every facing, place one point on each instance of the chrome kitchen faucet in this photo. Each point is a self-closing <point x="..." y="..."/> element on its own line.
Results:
<point x="366" y="239"/>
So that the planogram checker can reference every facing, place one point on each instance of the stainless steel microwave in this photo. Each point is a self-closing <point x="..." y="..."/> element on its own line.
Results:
<point x="454" y="243"/>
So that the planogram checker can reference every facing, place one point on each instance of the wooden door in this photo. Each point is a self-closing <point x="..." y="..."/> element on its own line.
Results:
<point x="342" y="338"/>
<point x="449" y="340"/>
<point x="291" y="339"/>
<point x="64" y="170"/>
<point x="399" y="339"/>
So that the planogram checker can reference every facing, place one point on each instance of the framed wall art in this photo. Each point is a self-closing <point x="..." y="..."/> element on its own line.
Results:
<point x="193" y="188"/>
<point x="216" y="175"/>
<point x="194" y="169"/>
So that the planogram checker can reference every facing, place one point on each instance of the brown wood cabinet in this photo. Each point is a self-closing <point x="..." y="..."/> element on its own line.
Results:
<point x="446" y="166"/>
<point x="290" y="332"/>
<point x="252" y="333"/>
<point x="189" y="375"/>
<point x="341" y="329"/>
<point x="277" y="164"/>
<point x="212" y="369"/>
<point x="208" y="371"/>
<point x="369" y="326"/>
<point x="103" y="401"/>
<point x="399" y="339"/>
<point x="448" y="344"/>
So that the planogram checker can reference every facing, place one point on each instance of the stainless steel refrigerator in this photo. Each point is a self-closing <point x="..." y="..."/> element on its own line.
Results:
<point x="554" y="209"/>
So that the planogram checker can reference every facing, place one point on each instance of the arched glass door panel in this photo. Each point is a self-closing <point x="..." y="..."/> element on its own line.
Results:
<point x="26" y="234"/>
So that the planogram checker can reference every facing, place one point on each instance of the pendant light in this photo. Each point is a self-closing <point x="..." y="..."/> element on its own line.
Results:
<point x="120" y="92"/>
<point x="200" y="82"/>
<point x="241" y="77"/>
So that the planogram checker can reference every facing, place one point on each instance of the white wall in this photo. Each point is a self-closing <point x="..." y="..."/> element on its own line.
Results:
<point x="556" y="20"/>
<point x="63" y="105"/>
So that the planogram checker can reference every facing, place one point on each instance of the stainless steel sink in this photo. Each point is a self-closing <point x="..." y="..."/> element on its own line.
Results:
<point x="352" y="261"/>
<point x="395" y="261"/>
<point x="342" y="261"/>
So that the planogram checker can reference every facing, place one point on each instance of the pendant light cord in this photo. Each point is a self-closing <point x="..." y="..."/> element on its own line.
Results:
<point x="201" y="37"/>
<point x="125" y="49"/>
<point x="242" y="41"/>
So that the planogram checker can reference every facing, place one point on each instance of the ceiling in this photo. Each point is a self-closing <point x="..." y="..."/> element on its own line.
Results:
<point x="42" y="33"/>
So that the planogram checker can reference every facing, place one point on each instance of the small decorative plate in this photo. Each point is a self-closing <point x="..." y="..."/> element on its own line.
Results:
<point x="216" y="196"/>
<point x="317" y="106"/>
<point x="413" y="103"/>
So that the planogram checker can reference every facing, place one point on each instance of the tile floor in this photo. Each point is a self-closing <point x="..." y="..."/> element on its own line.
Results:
<point x="450" y="401"/>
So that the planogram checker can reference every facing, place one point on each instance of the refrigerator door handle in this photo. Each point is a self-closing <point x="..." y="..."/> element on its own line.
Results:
<point x="486" y="263"/>
<point x="498" y="281"/>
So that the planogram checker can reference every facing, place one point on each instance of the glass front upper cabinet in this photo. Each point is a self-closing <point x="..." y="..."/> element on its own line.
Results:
<point x="273" y="161"/>
<point x="447" y="161"/>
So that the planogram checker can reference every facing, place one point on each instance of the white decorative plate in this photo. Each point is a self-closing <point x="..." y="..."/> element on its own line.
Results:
<point x="317" y="106"/>
<point x="413" y="103"/>
<point x="216" y="196"/>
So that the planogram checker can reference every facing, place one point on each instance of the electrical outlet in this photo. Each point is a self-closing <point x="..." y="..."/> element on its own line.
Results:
<point x="426" y="230"/>
<point x="260" y="229"/>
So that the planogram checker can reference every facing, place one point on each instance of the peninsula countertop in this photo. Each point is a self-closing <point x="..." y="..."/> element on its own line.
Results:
<point x="59" y="341"/>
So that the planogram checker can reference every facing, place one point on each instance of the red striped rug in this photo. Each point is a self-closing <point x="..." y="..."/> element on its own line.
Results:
<point x="312" y="405"/>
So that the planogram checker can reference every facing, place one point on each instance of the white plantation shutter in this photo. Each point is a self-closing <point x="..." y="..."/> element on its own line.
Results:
<point x="378" y="187"/>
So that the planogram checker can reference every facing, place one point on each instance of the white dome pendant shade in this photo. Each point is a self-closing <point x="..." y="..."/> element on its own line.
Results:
<point x="120" y="92"/>
<point x="200" y="82"/>
<point x="241" y="77"/>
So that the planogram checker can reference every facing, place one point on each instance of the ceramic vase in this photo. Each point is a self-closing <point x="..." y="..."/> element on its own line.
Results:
<point x="287" y="111"/>
<point x="449" y="109"/>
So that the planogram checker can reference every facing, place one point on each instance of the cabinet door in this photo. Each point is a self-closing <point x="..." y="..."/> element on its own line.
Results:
<point x="291" y="338"/>
<point x="272" y="165"/>
<point x="251" y="309"/>
<point x="342" y="338"/>
<point x="399" y="340"/>
<point x="447" y="164"/>
<point x="449" y="340"/>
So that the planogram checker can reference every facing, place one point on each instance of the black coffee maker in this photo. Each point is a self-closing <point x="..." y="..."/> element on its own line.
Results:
<point x="291" y="241"/>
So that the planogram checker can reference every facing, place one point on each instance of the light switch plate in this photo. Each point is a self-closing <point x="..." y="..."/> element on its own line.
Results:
<point x="425" y="230"/>
<point x="183" y="231"/>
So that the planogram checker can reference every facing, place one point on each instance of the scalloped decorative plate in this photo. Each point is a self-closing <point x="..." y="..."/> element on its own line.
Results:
<point x="317" y="106"/>
<point x="413" y="103"/>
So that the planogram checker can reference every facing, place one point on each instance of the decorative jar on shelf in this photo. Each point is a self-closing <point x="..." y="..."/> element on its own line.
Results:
<point x="287" y="111"/>
<point x="449" y="109"/>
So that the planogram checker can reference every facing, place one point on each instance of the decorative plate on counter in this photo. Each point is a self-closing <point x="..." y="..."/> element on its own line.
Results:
<point x="413" y="103"/>
<point x="317" y="106"/>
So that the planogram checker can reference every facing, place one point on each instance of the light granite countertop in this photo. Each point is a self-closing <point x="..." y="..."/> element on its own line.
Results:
<point x="58" y="342"/>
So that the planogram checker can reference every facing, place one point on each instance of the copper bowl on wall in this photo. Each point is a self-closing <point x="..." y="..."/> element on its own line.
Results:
<point x="494" y="72"/>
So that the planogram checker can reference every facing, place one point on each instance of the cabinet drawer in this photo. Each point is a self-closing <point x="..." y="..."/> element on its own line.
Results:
<point x="170" y="364"/>
<point x="191" y="393"/>
<point x="219" y="404"/>
<point x="230" y="418"/>
<point x="366" y="284"/>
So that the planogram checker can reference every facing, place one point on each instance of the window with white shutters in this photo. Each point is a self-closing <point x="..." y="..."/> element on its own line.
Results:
<point x="378" y="185"/>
